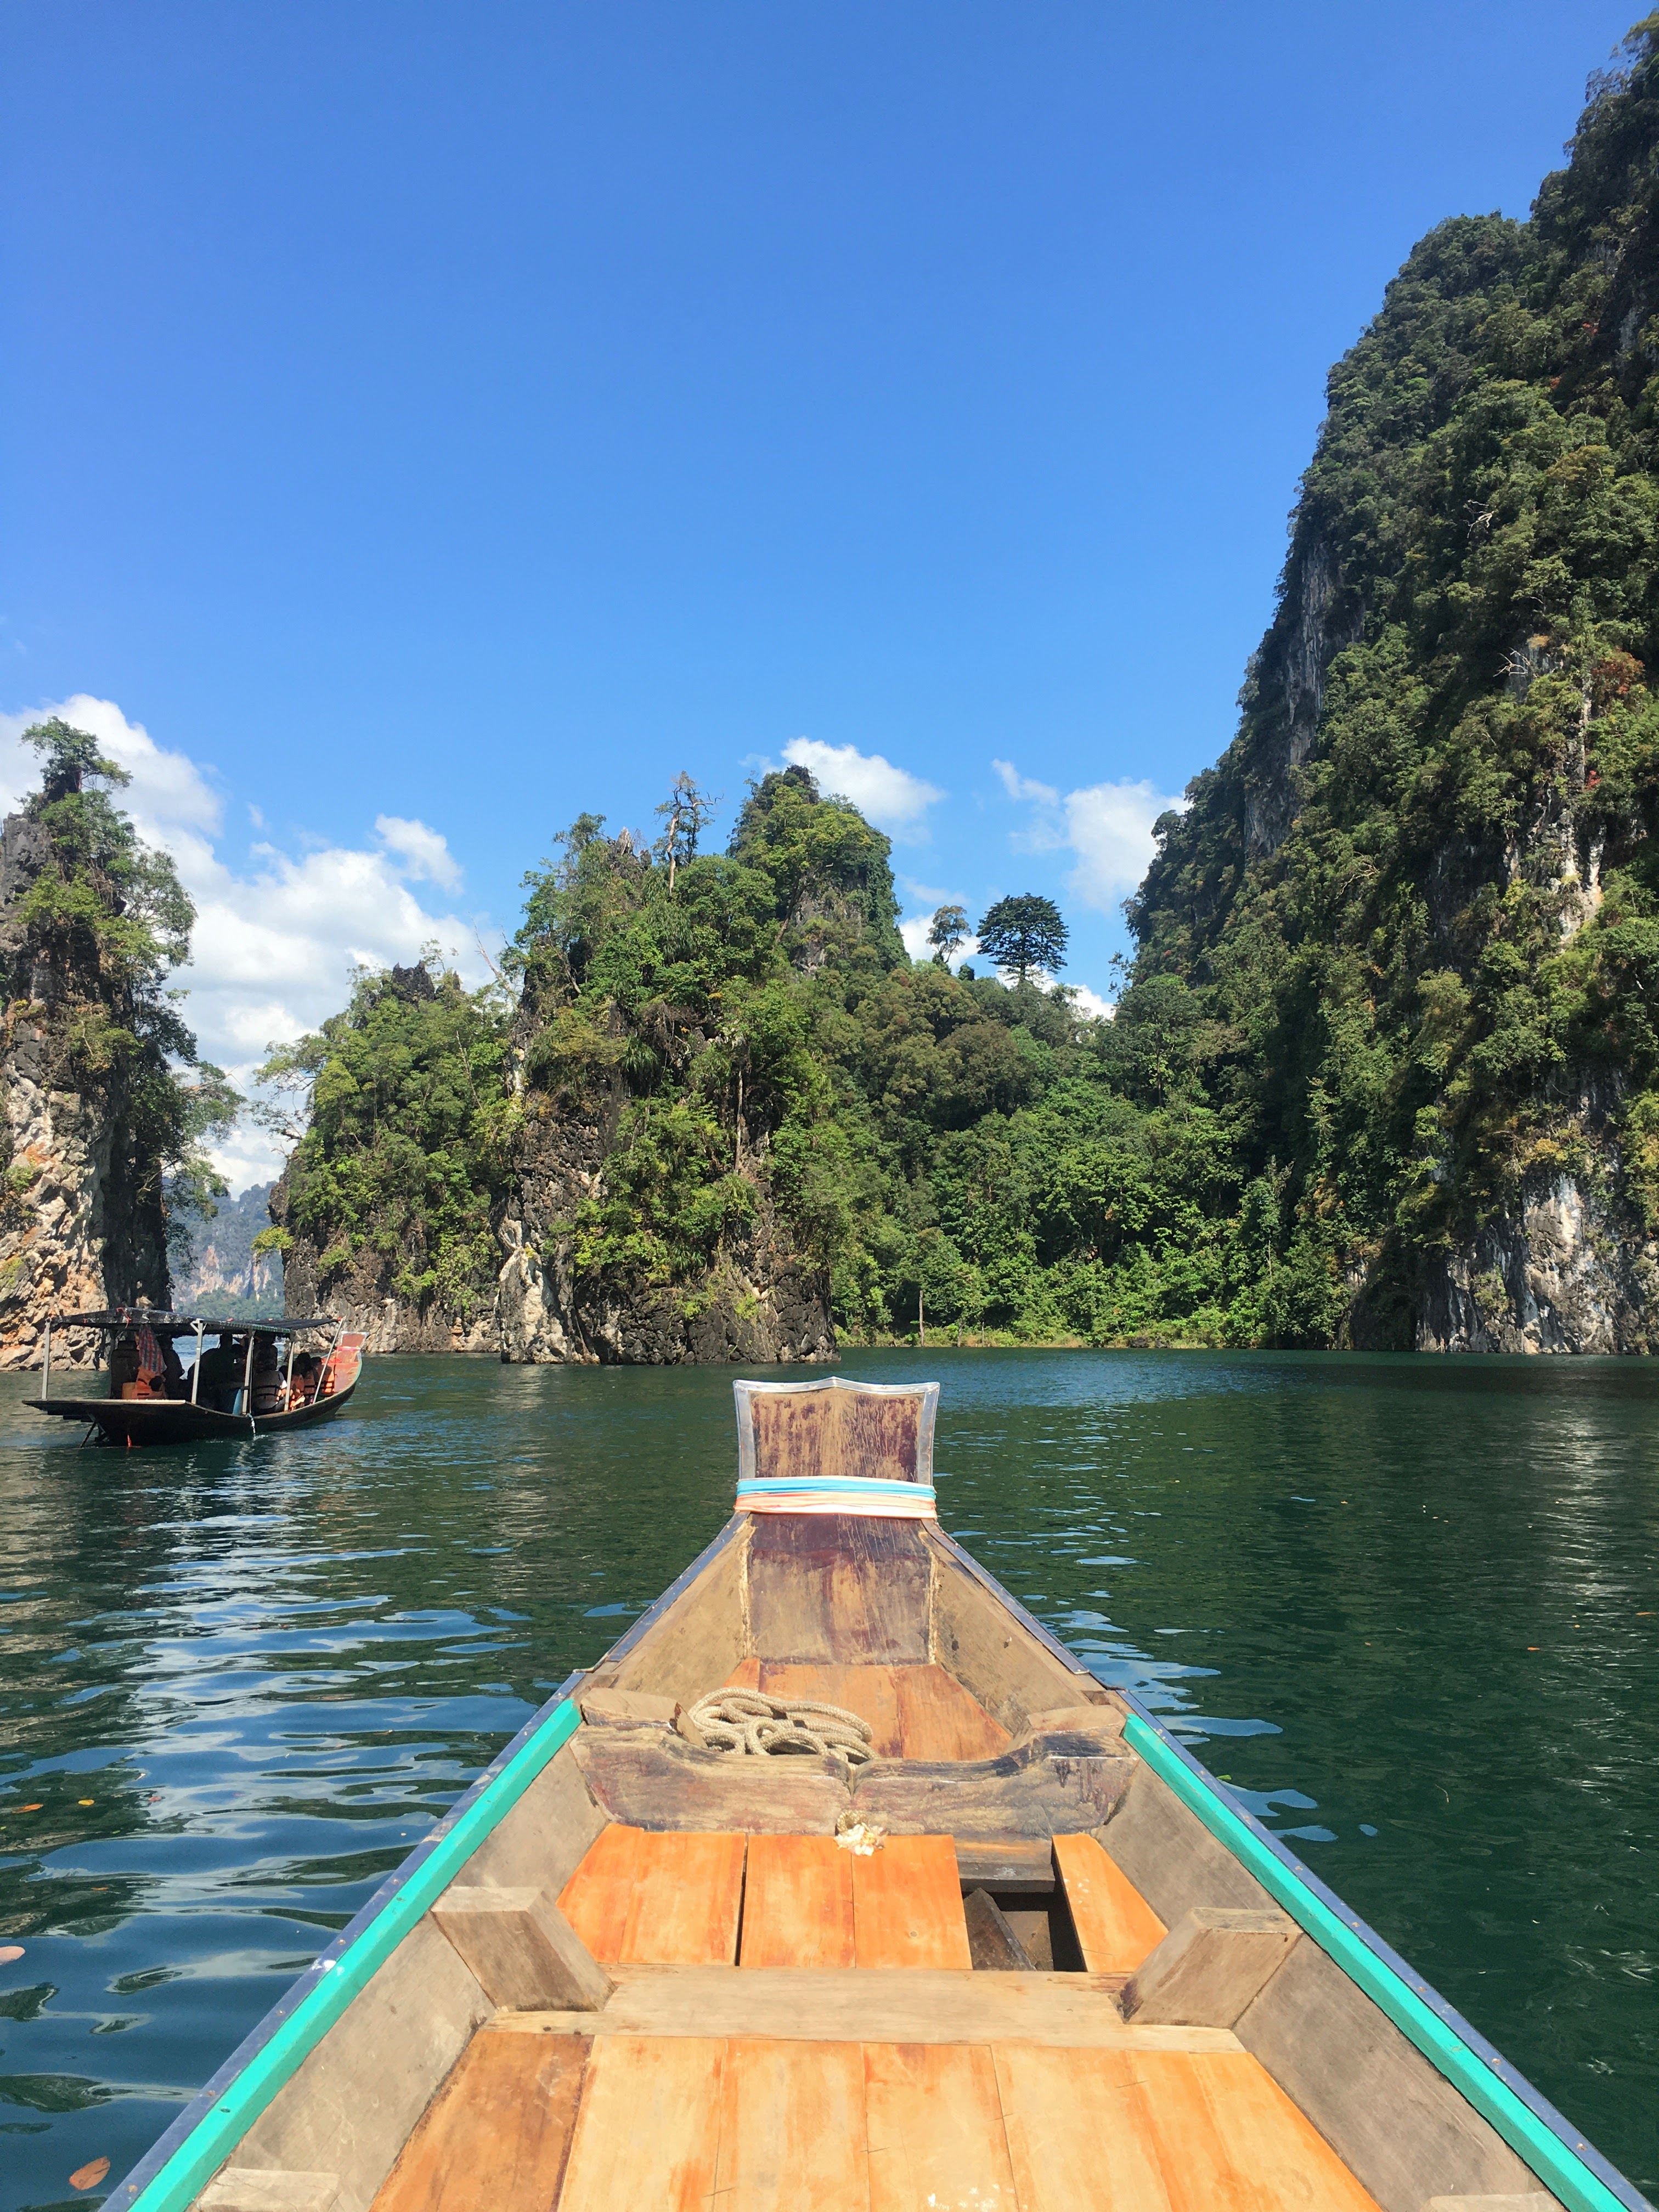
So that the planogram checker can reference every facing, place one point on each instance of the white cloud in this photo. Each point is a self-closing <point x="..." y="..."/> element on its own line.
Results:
<point x="425" y="853"/>
<point x="1091" y="1003"/>
<point x="273" y="944"/>
<point x="1020" y="786"/>
<point x="1109" y="826"/>
<point x="893" y="799"/>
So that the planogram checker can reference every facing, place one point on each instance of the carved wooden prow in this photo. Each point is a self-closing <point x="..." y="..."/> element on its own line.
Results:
<point x="797" y="1431"/>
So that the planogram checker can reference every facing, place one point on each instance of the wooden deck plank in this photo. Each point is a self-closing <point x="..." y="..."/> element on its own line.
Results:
<point x="1115" y="1924"/>
<point x="1079" y="2137"/>
<point x="939" y="1719"/>
<point x="494" y="2138"/>
<point x="595" y="1899"/>
<point x="906" y="1905"/>
<point x="902" y="2005"/>
<point x="745" y="1676"/>
<point x="686" y="1902"/>
<point x="1229" y="2138"/>
<point x="647" y="2129"/>
<point x="872" y="1692"/>
<point x="669" y="1900"/>
<point x="791" y="2129"/>
<point x="797" y="1903"/>
<point x="936" y="2134"/>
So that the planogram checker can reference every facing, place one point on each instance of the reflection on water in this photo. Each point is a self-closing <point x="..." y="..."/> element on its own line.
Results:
<point x="1407" y="1606"/>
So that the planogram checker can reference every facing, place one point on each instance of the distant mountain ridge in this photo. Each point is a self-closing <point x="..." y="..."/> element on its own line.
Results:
<point x="223" y="1275"/>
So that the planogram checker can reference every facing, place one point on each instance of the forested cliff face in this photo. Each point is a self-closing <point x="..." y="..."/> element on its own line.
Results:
<point x="1385" y="1068"/>
<point x="103" y="1096"/>
<point x="1404" y="941"/>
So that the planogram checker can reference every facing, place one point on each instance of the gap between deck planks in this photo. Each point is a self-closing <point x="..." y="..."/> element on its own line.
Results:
<point x="760" y="2124"/>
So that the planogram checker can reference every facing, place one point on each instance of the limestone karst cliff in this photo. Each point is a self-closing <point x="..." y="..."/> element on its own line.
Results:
<point x="1408" y="926"/>
<point x="102" y="1098"/>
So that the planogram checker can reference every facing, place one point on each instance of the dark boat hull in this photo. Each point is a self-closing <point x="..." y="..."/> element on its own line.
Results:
<point x="176" y="1421"/>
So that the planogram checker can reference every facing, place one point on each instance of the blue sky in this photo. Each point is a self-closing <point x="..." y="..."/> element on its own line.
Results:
<point x="424" y="423"/>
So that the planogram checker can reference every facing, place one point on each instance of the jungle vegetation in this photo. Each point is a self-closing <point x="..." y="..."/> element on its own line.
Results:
<point x="1398" y="953"/>
<point x="97" y="931"/>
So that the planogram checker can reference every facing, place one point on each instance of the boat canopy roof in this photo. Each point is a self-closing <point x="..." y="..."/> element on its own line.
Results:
<point x="182" y="1324"/>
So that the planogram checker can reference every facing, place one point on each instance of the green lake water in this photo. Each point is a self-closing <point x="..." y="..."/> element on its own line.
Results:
<point x="1407" y="1606"/>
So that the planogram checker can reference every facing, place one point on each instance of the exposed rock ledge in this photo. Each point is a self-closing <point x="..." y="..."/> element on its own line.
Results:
<point x="1562" y="1275"/>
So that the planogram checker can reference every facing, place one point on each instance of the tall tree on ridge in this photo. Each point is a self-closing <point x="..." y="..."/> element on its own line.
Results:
<point x="1024" y="934"/>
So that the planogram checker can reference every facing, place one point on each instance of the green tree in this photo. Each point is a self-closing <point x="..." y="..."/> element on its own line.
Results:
<point x="107" y="920"/>
<point x="1024" y="933"/>
<point x="948" y="933"/>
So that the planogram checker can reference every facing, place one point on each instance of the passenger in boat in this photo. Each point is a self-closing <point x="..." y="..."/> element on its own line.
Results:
<point x="123" y="1365"/>
<point x="303" y="1386"/>
<point x="219" y="1374"/>
<point x="267" y="1389"/>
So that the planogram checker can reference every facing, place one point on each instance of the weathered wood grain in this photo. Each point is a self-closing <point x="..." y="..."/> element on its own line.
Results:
<point x="666" y="1900"/>
<point x="791" y="2129"/>
<point x="992" y="1943"/>
<point x="998" y="1663"/>
<point x="594" y="1900"/>
<point x="936" y="2143"/>
<point x="797" y="1903"/>
<point x="541" y="1840"/>
<point x="1025" y="1865"/>
<point x="699" y="1640"/>
<point x="495" y="2137"/>
<point x="248" y="2189"/>
<point x="1228" y="2140"/>
<point x="803" y="1434"/>
<point x="1171" y="1857"/>
<point x="1214" y="1961"/>
<point x="647" y="1779"/>
<point x="520" y="1949"/>
<point x="1076" y="2132"/>
<point x="351" y="2104"/>
<point x="835" y="1586"/>
<point x="900" y="2004"/>
<point x="1397" y="2124"/>
<point x="872" y="1692"/>
<point x="1535" y="2200"/>
<point x="906" y="1905"/>
<point x="1115" y="1927"/>
<point x="1052" y="1786"/>
<point x="648" y="2132"/>
<point x="939" y="1720"/>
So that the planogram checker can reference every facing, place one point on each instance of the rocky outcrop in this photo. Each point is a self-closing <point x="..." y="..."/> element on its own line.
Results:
<point x="1564" y="1272"/>
<point x="81" y="1225"/>
<point x="363" y="1294"/>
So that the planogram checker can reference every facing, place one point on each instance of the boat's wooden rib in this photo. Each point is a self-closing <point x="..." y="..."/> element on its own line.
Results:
<point x="776" y="2021"/>
<point x="872" y="2004"/>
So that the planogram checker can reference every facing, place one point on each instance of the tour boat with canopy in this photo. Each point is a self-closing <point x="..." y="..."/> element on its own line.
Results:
<point x="254" y="1376"/>
<point x="840" y="1882"/>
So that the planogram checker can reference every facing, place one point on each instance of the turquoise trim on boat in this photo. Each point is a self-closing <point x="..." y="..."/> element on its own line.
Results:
<point x="187" y="2172"/>
<point x="853" y="1486"/>
<point x="1550" y="2159"/>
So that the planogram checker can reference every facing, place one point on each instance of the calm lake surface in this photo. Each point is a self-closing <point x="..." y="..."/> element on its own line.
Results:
<point x="1407" y="1606"/>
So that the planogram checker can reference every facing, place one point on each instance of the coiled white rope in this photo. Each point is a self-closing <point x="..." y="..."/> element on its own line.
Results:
<point x="750" y="1724"/>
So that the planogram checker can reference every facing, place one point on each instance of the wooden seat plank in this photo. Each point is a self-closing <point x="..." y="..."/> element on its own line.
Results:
<point x="647" y="2128"/>
<point x="1229" y="2138"/>
<point x="906" y="1905"/>
<point x="1115" y="1926"/>
<point x="939" y="1719"/>
<point x="791" y="2129"/>
<point x="797" y="1903"/>
<point x="595" y="1899"/>
<point x="494" y="2138"/>
<point x="648" y="1899"/>
<point x="1078" y="2134"/>
<point x="937" y="2138"/>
